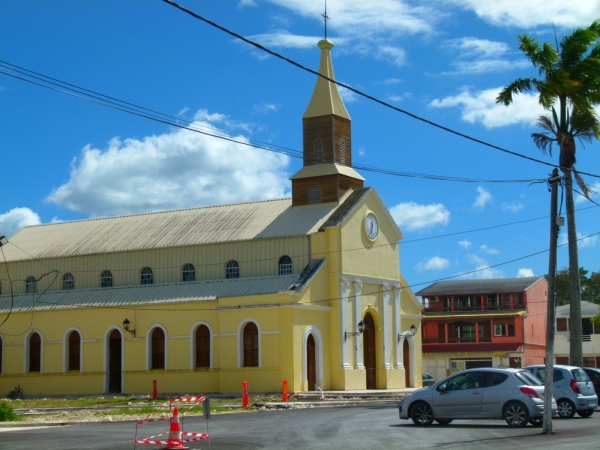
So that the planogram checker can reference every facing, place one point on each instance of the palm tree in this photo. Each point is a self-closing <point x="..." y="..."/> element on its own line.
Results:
<point x="569" y="81"/>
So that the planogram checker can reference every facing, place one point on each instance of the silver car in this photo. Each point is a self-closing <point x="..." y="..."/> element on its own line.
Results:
<point x="486" y="393"/>
<point x="573" y="390"/>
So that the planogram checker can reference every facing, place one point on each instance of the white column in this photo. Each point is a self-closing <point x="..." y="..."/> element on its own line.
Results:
<point x="399" y="360"/>
<point x="344" y="285"/>
<point x="385" y="323"/>
<point x="359" y="356"/>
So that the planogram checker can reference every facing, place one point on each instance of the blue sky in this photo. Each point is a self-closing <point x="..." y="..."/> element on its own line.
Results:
<point x="64" y="158"/>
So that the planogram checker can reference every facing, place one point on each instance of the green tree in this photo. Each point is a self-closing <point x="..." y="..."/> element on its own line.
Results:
<point x="568" y="87"/>
<point x="563" y="284"/>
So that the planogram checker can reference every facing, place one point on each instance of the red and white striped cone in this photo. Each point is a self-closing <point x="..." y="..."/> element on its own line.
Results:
<point x="175" y="441"/>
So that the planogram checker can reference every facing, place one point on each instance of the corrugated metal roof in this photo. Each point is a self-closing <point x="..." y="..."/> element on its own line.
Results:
<point x="213" y="224"/>
<point x="197" y="291"/>
<point x="479" y="286"/>
<point x="587" y="309"/>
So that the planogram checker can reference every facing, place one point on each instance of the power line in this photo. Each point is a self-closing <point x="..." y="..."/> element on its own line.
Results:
<point x="363" y="94"/>
<point x="140" y="111"/>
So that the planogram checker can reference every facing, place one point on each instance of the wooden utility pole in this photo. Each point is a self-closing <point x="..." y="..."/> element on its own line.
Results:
<point x="551" y="313"/>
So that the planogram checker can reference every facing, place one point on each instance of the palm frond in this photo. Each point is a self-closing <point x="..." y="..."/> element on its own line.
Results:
<point x="516" y="87"/>
<point x="544" y="142"/>
<point x="584" y="189"/>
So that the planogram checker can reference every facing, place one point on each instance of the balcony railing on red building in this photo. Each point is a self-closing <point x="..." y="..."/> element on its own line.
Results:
<point x="473" y="330"/>
<point x="475" y="302"/>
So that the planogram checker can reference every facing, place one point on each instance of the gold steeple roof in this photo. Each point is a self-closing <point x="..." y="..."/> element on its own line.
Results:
<point x="326" y="98"/>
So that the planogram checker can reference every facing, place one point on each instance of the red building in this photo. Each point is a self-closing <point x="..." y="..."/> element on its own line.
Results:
<point x="483" y="323"/>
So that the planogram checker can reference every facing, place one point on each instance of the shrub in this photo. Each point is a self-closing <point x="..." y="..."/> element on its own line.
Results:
<point x="6" y="412"/>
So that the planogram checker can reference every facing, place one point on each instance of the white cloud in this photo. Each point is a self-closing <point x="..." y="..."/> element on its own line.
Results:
<point x="283" y="39"/>
<point x="513" y="206"/>
<point x="581" y="241"/>
<point x="177" y="169"/>
<point x="483" y="271"/>
<point x="399" y="98"/>
<point x="594" y="193"/>
<point x="369" y="18"/>
<point x="244" y="3"/>
<point x="477" y="56"/>
<point x="395" y="55"/>
<point x="347" y="95"/>
<point x="15" y="219"/>
<point x="266" y="108"/>
<point x="533" y="13"/>
<point x="362" y="151"/>
<point x="411" y="216"/>
<point x="464" y="244"/>
<point x="435" y="263"/>
<point x="390" y="81"/>
<point x="488" y="250"/>
<point x="482" y="199"/>
<point x="524" y="273"/>
<point x="481" y="107"/>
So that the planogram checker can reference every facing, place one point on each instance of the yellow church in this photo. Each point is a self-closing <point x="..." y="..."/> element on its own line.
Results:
<point x="306" y="289"/>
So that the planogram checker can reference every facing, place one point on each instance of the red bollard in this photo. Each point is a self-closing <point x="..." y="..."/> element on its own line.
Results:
<point x="284" y="396"/>
<point x="154" y="389"/>
<point x="245" y="394"/>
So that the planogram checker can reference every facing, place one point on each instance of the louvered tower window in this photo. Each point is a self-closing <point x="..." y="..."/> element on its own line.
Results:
<point x="314" y="194"/>
<point x="318" y="145"/>
<point x="342" y="151"/>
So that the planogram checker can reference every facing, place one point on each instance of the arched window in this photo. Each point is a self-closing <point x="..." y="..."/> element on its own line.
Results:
<point x="74" y="351"/>
<point x="314" y="194"/>
<point x="147" y="277"/>
<point x="232" y="269"/>
<point x="285" y="265"/>
<point x="250" y="345"/>
<point x="342" y="151"/>
<point x="106" y="279"/>
<point x="35" y="353"/>
<point x="158" y="349"/>
<point x="318" y="147"/>
<point x="30" y="285"/>
<point x="68" y="282"/>
<point x="189" y="273"/>
<point x="202" y="346"/>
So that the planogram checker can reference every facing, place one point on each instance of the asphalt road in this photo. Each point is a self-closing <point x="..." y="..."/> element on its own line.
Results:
<point x="361" y="427"/>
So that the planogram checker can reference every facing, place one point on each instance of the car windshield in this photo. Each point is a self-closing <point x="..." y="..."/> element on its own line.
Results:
<point x="527" y="378"/>
<point x="580" y="375"/>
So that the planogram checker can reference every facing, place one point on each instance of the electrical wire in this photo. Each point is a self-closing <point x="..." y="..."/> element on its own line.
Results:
<point x="362" y="94"/>
<point x="140" y="111"/>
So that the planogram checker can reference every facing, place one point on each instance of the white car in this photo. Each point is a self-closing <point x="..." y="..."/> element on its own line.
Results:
<point x="485" y="393"/>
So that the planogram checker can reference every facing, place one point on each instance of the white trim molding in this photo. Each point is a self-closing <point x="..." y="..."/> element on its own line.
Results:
<point x="149" y="345"/>
<point x="369" y="280"/>
<point x="193" y="343"/>
<point x="385" y="298"/>
<point x="240" y="340"/>
<point x="397" y="316"/>
<point x="312" y="329"/>
<point x="66" y="349"/>
<point x="359" y="356"/>
<point x="412" y="356"/>
<point x="344" y="287"/>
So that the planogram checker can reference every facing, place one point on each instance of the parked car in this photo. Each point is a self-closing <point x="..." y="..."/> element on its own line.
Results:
<point x="573" y="390"/>
<point x="594" y="375"/>
<point x="485" y="393"/>
<point x="428" y="380"/>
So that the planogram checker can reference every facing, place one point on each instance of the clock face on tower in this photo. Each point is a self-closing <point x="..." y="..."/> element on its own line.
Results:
<point x="371" y="226"/>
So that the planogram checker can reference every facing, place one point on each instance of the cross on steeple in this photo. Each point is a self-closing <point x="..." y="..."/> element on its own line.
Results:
<point x="325" y="18"/>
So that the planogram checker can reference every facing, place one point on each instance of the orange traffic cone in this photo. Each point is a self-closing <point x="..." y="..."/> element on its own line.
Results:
<point x="175" y="441"/>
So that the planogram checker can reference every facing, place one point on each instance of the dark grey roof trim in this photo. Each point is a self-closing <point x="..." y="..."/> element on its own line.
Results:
<point x="479" y="286"/>
<point x="307" y="275"/>
<point x="346" y="208"/>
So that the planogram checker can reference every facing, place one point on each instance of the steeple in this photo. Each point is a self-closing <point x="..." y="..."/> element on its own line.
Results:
<point x="327" y="145"/>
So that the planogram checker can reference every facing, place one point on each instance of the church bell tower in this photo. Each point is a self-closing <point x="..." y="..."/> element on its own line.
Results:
<point x="327" y="172"/>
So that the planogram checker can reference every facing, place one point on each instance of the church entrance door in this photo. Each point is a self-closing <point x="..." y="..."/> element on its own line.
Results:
<point x="406" y="358"/>
<point x="369" y="350"/>
<point x="311" y="363"/>
<point x="114" y="362"/>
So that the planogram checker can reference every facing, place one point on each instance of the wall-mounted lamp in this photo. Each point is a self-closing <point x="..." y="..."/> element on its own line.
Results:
<point x="413" y="331"/>
<point x="3" y="241"/>
<point x="126" y="324"/>
<point x="349" y="334"/>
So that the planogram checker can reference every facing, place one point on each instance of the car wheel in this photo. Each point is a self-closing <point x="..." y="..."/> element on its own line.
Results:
<point x="586" y="412"/>
<point x="566" y="409"/>
<point x="422" y="414"/>
<point x="536" y="422"/>
<point x="444" y="421"/>
<point x="516" y="414"/>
